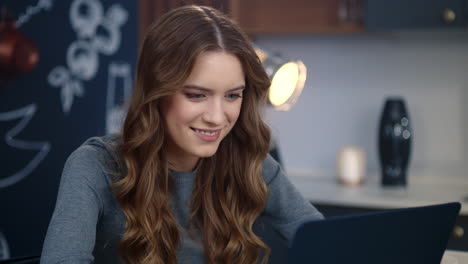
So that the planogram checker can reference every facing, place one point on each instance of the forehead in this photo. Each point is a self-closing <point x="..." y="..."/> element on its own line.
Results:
<point x="216" y="70"/>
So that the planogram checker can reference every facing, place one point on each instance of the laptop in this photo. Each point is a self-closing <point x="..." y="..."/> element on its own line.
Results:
<point x="412" y="235"/>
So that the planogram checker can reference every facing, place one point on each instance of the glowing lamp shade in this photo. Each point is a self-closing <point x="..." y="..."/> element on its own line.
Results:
<point x="287" y="79"/>
<point x="287" y="84"/>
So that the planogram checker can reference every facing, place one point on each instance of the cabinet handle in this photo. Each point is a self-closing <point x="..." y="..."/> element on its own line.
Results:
<point x="458" y="232"/>
<point x="350" y="11"/>
<point x="448" y="16"/>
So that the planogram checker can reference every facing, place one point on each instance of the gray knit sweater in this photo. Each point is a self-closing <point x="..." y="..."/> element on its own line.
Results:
<point x="87" y="222"/>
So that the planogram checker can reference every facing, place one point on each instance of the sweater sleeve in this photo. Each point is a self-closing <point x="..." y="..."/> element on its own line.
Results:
<point x="71" y="233"/>
<point x="285" y="209"/>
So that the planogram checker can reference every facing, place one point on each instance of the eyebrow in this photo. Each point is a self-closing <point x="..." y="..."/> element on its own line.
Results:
<point x="196" y="87"/>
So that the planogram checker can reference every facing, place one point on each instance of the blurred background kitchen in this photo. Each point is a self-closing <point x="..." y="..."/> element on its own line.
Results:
<point x="66" y="68"/>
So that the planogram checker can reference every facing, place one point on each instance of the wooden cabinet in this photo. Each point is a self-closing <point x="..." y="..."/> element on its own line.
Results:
<point x="298" y="16"/>
<point x="324" y="16"/>
<point x="273" y="16"/>
<point x="150" y="10"/>
<point x="383" y="15"/>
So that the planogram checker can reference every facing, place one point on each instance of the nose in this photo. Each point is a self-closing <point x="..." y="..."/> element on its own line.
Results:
<point x="215" y="113"/>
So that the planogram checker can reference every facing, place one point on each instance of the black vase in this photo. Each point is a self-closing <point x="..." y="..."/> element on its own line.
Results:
<point x="394" y="142"/>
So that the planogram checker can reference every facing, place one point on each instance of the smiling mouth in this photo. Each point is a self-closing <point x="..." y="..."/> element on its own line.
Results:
<point x="207" y="132"/>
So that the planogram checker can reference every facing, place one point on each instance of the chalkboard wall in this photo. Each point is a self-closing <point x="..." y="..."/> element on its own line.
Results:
<point x="87" y="53"/>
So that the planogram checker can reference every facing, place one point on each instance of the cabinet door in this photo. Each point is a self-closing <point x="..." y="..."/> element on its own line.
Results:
<point x="414" y="14"/>
<point x="459" y="238"/>
<point x="298" y="16"/>
<point x="150" y="10"/>
<point x="273" y="16"/>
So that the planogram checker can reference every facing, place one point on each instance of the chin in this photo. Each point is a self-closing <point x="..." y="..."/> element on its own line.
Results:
<point x="206" y="153"/>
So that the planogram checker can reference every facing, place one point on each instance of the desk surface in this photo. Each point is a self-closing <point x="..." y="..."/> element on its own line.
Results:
<point x="418" y="192"/>
<point x="455" y="257"/>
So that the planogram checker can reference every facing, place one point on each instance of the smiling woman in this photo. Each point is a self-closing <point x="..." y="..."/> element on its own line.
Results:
<point x="189" y="175"/>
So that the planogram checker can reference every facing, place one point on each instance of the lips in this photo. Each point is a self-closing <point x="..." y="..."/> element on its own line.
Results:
<point x="207" y="134"/>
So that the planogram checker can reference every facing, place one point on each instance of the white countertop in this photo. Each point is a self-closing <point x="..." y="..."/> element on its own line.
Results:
<point x="419" y="191"/>
<point x="455" y="257"/>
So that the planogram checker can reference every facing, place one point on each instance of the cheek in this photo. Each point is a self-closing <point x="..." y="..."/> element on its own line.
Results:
<point x="234" y="113"/>
<point x="182" y="113"/>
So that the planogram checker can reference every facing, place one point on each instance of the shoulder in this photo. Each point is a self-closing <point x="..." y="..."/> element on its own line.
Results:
<point x="104" y="148"/>
<point x="108" y="146"/>
<point x="97" y="155"/>
<point x="271" y="169"/>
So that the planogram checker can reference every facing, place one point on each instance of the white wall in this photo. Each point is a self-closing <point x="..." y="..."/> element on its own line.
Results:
<point x="348" y="78"/>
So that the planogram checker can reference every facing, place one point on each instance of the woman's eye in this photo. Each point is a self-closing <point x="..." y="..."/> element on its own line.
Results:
<point x="234" y="96"/>
<point x="194" y="95"/>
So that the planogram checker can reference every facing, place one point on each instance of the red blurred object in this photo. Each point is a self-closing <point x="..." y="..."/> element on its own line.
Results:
<point x="17" y="53"/>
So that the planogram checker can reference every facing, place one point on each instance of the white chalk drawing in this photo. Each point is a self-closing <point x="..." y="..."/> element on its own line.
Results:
<point x="33" y="10"/>
<point x="82" y="60"/>
<point x="4" y="249"/>
<point x="25" y="113"/>
<point x="115" y="107"/>
<point x="85" y="25"/>
<point x="70" y="87"/>
<point x="97" y="33"/>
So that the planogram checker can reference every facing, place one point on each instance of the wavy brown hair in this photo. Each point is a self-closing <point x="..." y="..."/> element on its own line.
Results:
<point x="229" y="191"/>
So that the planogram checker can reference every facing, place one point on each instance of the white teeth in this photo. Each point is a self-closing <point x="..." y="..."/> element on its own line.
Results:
<point x="206" y="133"/>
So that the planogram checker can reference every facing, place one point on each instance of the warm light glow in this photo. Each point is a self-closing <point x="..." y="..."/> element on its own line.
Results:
<point x="262" y="55"/>
<point x="287" y="84"/>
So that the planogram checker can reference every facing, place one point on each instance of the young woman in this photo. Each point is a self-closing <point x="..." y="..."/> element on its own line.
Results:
<point x="190" y="173"/>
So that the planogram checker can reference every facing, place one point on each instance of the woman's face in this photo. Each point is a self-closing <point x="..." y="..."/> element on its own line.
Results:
<point x="204" y="110"/>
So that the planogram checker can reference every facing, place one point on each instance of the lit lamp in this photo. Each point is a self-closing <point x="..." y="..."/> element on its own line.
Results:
<point x="287" y="81"/>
